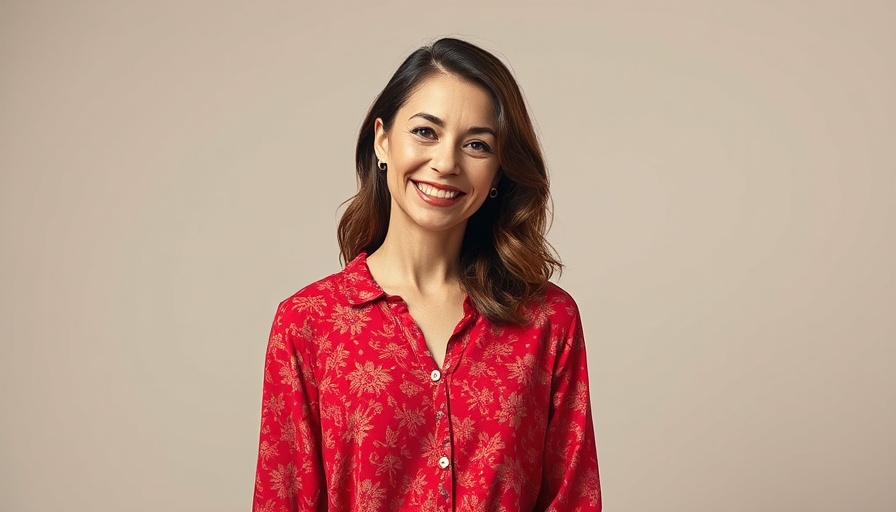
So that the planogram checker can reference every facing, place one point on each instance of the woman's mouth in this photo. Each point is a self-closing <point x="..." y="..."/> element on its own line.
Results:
<point x="435" y="195"/>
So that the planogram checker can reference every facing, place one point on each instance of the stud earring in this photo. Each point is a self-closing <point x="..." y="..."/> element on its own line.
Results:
<point x="381" y="165"/>
<point x="493" y="193"/>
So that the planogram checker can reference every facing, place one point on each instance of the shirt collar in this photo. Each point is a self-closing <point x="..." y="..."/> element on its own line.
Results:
<point x="360" y="288"/>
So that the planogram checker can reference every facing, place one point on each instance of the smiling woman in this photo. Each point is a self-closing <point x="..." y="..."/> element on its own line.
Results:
<point x="440" y="166"/>
<point x="440" y="369"/>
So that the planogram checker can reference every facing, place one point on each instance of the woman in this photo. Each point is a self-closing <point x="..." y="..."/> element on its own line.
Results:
<point x="439" y="370"/>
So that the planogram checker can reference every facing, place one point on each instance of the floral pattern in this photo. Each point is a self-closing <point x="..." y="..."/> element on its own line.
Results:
<point x="356" y="416"/>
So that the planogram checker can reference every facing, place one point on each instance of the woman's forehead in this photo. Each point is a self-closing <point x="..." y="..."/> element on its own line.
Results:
<point x="452" y="100"/>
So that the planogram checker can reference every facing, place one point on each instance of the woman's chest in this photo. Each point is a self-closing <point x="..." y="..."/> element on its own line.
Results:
<point x="387" y="367"/>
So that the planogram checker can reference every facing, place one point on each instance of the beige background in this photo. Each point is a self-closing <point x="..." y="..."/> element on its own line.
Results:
<point x="723" y="174"/>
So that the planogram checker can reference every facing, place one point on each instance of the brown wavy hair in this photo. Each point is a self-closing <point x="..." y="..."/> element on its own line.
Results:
<point x="506" y="260"/>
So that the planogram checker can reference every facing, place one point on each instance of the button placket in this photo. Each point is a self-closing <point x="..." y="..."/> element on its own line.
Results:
<point x="439" y="380"/>
<point x="443" y="434"/>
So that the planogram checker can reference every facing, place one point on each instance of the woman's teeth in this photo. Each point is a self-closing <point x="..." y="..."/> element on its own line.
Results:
<point x="434" y="192"/>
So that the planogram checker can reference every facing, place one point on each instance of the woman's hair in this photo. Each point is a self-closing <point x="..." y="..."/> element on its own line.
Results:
<point x="505" y="259"/>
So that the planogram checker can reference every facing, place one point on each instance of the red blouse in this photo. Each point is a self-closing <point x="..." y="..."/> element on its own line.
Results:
<point x="357" y="416"/>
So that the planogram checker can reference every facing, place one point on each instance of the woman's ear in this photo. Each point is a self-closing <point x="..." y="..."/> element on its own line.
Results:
<point x="380" y="141"/>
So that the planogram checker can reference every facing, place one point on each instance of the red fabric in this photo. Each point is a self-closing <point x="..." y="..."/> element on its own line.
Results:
<point x="356" y="416"/>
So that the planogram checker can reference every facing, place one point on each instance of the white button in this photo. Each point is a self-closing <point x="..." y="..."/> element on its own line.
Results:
<point x="435" y="375"/>
<point x="444" y="462"/>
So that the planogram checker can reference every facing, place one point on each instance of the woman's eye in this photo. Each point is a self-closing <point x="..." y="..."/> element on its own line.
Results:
<point x="424" y="132"/>
<point x="477" y="145"/>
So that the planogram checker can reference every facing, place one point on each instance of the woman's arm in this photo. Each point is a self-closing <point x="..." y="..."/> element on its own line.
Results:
<point x="570" y="480"/>
<point x="290" y="474"/>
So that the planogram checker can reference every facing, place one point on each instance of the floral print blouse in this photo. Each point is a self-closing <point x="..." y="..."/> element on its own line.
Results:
<point x="356" y="415"/>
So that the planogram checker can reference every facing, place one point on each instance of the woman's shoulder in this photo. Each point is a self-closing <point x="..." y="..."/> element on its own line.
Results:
<point x="554" y="293"/>
<point x="316" y="299"/>
<point x="556" y="296"/>
<point x="554" y="306"/>
<point x="324" y="287"/>
<point x="350" y="286"/>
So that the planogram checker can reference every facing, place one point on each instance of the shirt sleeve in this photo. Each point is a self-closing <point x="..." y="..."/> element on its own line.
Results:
<point x="289" y="474"/>
<point x="570" y="480"/>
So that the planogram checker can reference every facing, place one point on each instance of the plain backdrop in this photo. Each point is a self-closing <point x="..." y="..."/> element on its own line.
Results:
<point x="723" y="176"/>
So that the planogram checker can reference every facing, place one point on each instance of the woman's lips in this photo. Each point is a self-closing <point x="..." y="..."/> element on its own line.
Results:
<point x="437" y="195"/>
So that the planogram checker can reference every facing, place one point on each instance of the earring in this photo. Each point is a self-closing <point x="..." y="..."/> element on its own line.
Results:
<point x="493" y="193"/>
<point x="381" y="165"/>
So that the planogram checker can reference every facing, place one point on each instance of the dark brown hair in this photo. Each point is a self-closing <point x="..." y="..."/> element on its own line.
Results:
<point x="505" y="259"/>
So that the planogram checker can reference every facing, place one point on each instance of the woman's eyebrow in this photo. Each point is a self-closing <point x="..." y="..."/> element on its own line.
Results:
<point x="438" y="122"/>
<point x="431" y="118"/>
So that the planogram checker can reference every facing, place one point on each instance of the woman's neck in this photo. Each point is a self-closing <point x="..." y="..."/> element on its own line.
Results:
<point x="412" y="259"/>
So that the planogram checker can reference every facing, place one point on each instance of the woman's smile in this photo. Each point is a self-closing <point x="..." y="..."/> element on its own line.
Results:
<point x="438" y="195"/>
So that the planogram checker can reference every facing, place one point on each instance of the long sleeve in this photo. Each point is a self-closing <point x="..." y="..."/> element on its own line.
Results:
<point x="570" y="478"/>
<point x="290" y="474"/>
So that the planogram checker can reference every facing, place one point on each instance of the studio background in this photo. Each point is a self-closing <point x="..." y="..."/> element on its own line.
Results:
<point x="723" y="176"/>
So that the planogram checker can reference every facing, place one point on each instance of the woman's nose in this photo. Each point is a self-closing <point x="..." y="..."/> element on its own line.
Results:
<point x="444" y="160"/>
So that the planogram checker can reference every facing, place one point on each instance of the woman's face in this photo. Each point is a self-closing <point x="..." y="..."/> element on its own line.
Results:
<point x="440" y="153"/>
